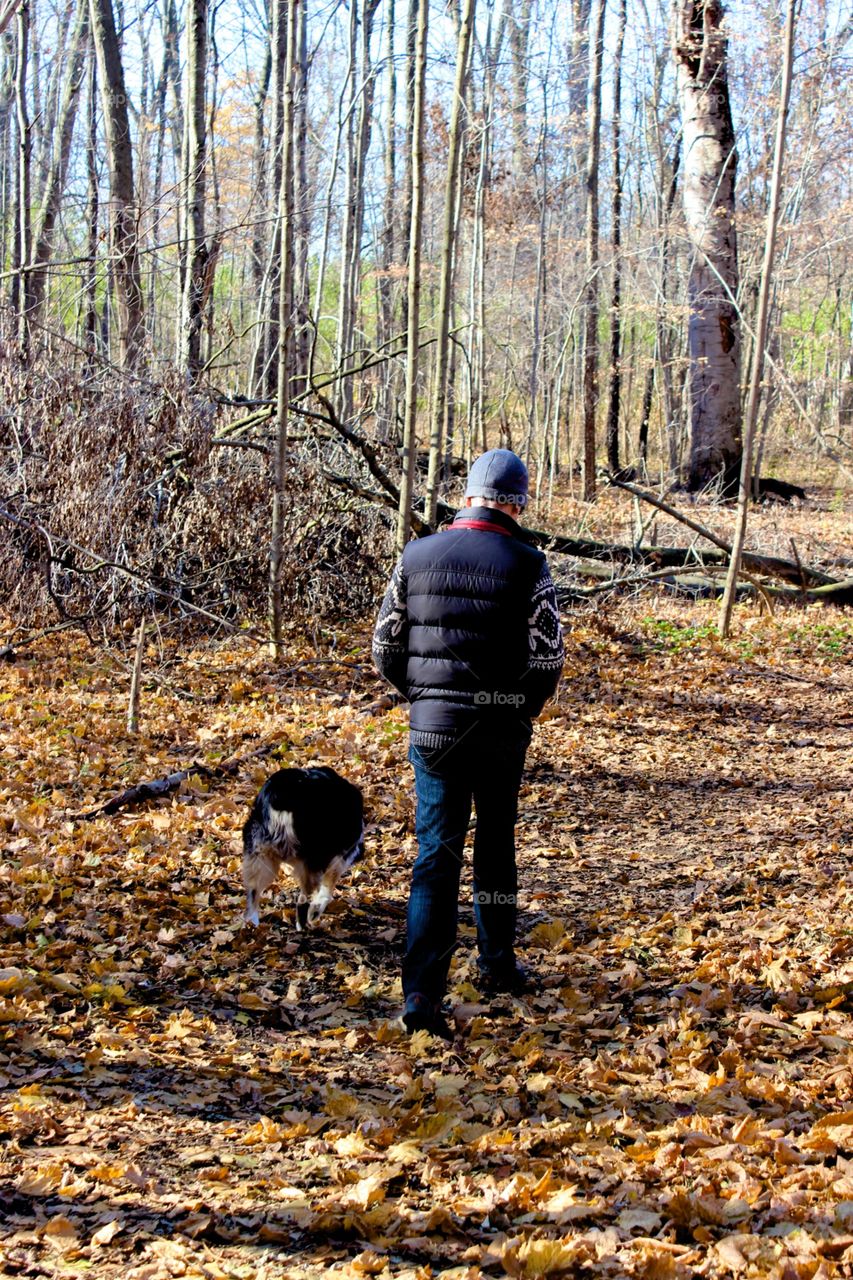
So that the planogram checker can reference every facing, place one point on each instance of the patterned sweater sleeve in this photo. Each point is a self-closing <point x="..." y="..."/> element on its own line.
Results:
<point x="545" y="645"/>
<point x="390" y="637"/>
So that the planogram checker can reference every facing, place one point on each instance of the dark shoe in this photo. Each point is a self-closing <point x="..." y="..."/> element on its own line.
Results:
<point x="421" y="1014"/>
<point x="516" y="981"/>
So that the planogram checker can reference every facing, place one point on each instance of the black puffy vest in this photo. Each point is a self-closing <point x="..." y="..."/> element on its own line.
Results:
<point x="468" y="593"/>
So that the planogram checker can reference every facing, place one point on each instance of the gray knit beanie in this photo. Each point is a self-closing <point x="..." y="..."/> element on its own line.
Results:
<point x="500" y="476"/>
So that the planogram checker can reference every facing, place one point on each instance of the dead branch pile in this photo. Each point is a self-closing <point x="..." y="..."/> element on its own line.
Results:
<point x="114" y="499"/>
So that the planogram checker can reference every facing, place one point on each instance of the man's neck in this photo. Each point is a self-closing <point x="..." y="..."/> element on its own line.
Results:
<point x="480" y="514"/>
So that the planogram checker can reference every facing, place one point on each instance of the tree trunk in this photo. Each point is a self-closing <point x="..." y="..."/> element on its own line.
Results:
<point x="359" y="134"/>
<point x="616" y="218"/>
<point x="409" y="149"/>
<point x="302" y="214"/>
<point x="24" y="236"/>
<point x="590" y="354"/>
<point x="448" y="250"/>
<point x="90" y="322"/>
<point x="195" y="173"/>
<point x="55" y="184"/>
<point x="710" y="162"/>
<point x="269" y="338"/>
<point x="7" y="100"/>
<point x="410" y="441"/>
<point x="386" y="412"/>
<point x="845" y="398"/>
<point x="519" y="39"/>
<point x="44" y="143"/>
<point x="259" y="168"/>
<point x="578" y="77"/>
<point x="646" y="413"/>
<point x="284" y="326"/>
<point x="122" y="195"/>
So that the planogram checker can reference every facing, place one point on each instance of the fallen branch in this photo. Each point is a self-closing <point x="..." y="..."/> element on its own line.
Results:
<point x="165" y="786"/>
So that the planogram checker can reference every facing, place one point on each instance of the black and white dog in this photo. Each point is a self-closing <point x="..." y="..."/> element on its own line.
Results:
<point x="312" y="819"/>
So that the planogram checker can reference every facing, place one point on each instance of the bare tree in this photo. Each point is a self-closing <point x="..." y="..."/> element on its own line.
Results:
<point x="259" y="171"/>
<point x="359" y="132"/>
<point x="194" y="179"/>
<point x="90" y="311"/>
<point x="845" y="399"/>
<point x="612" y="434"/>
<point x="710" y="163"/>
<point x="591" y="291"/>
<point x="122" y="192"/>
<point x="55" y="181"/>
<point x="302" y="212"/>
<point x="745" y="489"/>
<point x="519" y="38"/>
<point x="7" y="181"/>
<point x="385" y="408"/>
<point x="448" y="251"/>
<point x="410" y="441"/>
<point x="284" y="329"/>
<point x="23" y="297"/>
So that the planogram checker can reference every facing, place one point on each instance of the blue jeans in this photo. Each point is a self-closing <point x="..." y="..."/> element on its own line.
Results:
<point x="447" y="781"/>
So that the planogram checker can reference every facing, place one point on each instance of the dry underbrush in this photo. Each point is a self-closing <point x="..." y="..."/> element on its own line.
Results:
<point x="116" y="499"/>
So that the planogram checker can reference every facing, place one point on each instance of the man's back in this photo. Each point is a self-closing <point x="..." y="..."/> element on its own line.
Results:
<point x="468" y="593"/>
<point x="454" y="633"/>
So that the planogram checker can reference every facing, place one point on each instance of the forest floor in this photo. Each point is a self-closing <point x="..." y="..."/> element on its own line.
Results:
<point x="182" y="1096"/>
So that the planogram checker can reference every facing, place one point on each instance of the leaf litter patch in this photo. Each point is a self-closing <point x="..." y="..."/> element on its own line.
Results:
<point x="183" y="1097"/>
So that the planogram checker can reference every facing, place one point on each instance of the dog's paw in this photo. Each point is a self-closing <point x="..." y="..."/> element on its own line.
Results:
<point x="318" y="904"/>
<point x="252" y="917"/>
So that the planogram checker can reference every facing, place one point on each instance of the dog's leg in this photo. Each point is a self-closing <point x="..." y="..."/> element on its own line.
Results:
<point x="323" y="894"/>
<point x="250" y="915"/>
<point x="307" y="884"/>
<point x="320" y="899"/>
<point x="260" y="868"/>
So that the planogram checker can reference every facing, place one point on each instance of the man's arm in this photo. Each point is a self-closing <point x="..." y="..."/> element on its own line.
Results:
<point x="390" y="637"/>
<point x="545" y="653"/>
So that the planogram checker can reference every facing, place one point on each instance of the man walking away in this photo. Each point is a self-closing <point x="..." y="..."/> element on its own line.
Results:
<point x="469" y="633"/>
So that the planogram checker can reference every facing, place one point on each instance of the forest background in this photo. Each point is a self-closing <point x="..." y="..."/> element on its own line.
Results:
<point x="492" y="224"/>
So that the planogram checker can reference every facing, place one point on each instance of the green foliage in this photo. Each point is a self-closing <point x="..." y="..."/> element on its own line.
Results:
<point x="828" y="639"/>
<point x="809" y="331"/>
<point x="666" y="636"/>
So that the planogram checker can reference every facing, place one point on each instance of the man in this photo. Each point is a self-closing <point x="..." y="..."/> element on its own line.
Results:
<point x="469" y="633"/>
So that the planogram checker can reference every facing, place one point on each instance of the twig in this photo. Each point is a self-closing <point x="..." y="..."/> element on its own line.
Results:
<point x="135" y="680"/>
<point x="800" y="567"/>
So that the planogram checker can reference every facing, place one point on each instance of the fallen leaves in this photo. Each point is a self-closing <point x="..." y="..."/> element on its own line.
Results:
<point x="184" y="1098"/>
